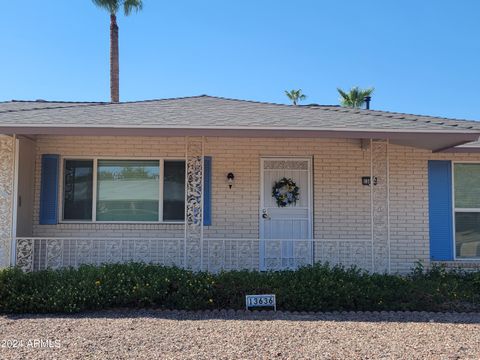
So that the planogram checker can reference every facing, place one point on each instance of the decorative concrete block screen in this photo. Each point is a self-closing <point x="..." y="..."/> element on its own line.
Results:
<point x="194" y="204"/>
<point x="380" y="207"/>
<point x="7" y="149"/>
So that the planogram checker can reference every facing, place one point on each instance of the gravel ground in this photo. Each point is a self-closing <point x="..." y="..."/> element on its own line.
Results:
<point x="233" y="335"/>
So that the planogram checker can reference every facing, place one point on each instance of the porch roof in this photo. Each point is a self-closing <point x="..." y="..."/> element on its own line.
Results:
<point x="214" y="116"/>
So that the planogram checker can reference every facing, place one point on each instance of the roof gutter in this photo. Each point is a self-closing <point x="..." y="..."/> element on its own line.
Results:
<point x="49" y="128"/>
<point x="455" y="148"/>
<point x="19" y="127"/>
<point x="461" y="149"/>
<point x="436" y="141"/>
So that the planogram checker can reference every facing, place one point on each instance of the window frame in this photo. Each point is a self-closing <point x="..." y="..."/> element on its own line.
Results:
<point x="464" y="210"/>
<point x="95" y="159"/>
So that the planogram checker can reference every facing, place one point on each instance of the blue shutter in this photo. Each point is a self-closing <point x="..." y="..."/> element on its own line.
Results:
<point x="49" y="190"/>
<point x="440" y="209"/>
<point x="207" y="191"/>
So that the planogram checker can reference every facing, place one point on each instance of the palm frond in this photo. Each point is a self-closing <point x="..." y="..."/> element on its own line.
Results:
<point x="109" y="5"/>
<point x="368" y="92"/>
<point x="130" y="5"/>
<point x="114" y="5"/>
<point x="295" y="95"/>
<point x="344" y="98"/>
<point x="342" y="93"/>
<point x="355" y="97"/>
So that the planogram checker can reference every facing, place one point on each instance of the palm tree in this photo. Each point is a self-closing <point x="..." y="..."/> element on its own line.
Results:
<point x="295" y="96"/>
<point x="112" y="6"/>
<point x="355" y="98"/>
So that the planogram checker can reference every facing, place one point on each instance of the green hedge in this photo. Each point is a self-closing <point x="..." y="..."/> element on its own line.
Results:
<point x="312" y="288"/>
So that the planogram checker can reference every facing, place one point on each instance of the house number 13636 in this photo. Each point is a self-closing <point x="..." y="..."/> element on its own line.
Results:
<point x="260" y="301"/>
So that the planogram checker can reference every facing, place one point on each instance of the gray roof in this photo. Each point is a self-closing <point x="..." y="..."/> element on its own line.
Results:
<point x="22" y="105"/>
<point x="207" y="112"/>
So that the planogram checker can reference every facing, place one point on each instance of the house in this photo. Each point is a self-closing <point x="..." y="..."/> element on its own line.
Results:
<point x="210" y="183"/>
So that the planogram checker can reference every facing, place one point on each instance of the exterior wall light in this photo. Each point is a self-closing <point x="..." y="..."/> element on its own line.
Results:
<point x="366" y="180"/>
<point x="230" y="178"/>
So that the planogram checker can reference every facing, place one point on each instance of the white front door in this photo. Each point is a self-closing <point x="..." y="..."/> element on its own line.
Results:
<point x="285" y="232"/>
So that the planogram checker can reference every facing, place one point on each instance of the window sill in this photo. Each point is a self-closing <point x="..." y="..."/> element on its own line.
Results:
<point x="466" y="259"/>
<point x="122" y="222"/>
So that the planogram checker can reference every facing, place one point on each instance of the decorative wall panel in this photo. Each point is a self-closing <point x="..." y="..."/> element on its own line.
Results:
<point x="84" y="251"/>
<point x="7" y="156"/>
<point x="285" y="165"/>
<point x="345" y="252"/>
<point x="380" y="235"/>
<point x="54" y="256"/>
<point x="25" y="254"/>
<point x="194" y="204"/>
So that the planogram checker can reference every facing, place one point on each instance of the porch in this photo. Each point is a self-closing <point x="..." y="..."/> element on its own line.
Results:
<point x="352" y="230"/>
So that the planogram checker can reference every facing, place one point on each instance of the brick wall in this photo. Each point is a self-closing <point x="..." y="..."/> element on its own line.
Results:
<point x="341" y="202"/>
<point x="72" y="146"/>
<point x="341" y="206"/>
<point x="409" y="226"/>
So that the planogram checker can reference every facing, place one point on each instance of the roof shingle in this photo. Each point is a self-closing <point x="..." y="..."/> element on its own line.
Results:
<point x="214" y="112"/>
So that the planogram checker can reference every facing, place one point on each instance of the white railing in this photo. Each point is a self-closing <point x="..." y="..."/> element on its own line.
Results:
<point x="37" y="253"/>
<point x="41" y="253"/>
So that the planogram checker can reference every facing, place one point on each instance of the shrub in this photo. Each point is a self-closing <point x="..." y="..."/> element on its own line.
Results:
<point x="311" y="288"/>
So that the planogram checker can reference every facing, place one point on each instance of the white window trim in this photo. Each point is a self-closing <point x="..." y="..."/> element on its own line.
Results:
<point x="455" y="210"/>
<point x="161" y="162"/>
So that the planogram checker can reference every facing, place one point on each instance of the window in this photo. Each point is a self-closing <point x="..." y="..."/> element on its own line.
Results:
<point x="174" y="190"/>
<point x="467" y="210"/>
<point x="126" y="190"/>
<point x="77" y="190"/>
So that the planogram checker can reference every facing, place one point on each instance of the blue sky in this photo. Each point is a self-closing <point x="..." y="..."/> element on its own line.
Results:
<point x="422" y="56"/>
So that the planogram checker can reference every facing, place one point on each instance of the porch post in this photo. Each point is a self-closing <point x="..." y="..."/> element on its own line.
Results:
<point x="380" y="206"/>
<point x="7" y="176"/>
<point x="193" y="257"/>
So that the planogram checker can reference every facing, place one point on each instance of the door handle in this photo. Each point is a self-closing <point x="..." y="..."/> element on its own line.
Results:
<point x="265" y="214"/>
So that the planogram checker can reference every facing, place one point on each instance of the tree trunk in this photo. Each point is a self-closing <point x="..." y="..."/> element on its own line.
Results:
<point x="114" y="65"/>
